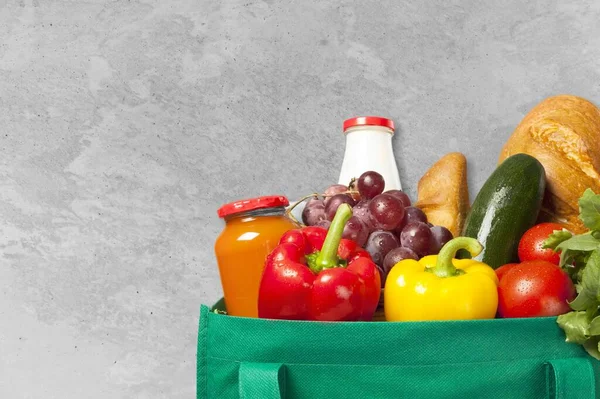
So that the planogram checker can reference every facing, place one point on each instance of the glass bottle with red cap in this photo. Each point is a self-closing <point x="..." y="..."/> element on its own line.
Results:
<point x="369" y="147"/>
<point x="252" y="230"/>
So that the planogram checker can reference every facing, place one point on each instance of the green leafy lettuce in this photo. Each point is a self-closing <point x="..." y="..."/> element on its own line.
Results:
<point x="589" y="210"/>
<point x="580" y="257"/>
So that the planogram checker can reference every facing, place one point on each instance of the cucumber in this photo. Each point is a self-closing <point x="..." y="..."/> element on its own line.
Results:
<point x="507" y="206"/>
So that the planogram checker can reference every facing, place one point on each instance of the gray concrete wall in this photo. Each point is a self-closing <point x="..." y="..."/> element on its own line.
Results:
<point x="126" y="124"/>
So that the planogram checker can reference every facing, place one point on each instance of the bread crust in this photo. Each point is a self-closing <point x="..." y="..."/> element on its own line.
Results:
<point x="563" y="133"/>
<point x="443" y="193"/>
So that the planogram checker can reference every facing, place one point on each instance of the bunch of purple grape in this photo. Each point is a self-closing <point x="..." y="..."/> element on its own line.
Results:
<point x="383" y="223"/>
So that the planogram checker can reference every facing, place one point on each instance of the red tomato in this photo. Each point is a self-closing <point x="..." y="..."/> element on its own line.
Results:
<point x="501" y="271"/>
<point x="535" y="289"/>
<point x="530" y="246"/>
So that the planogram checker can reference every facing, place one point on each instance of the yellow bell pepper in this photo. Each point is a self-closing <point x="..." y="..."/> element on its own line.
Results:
<point x="439" y="287"/>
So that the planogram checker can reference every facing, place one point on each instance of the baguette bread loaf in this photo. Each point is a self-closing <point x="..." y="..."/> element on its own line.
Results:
<point x="563" y="133"/>
<point x="443" y="193"/>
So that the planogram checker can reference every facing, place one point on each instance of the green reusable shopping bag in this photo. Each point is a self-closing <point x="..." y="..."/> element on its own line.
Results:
<point x="505" y="358"/>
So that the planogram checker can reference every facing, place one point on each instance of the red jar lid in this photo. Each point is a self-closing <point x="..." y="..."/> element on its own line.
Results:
<point x="368" y="121"/>
<point x="251" y="204"/>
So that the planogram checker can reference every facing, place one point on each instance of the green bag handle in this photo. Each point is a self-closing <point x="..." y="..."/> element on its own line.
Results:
<point x="571" y="378"/>
<point x="262" y="380"/>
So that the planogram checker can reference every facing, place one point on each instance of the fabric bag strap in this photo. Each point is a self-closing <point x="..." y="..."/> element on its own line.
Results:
<point x="262" y="380"/>
<point x="571" y="378"/>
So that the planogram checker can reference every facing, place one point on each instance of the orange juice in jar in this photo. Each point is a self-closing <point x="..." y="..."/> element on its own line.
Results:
<point x="252" y="230"/>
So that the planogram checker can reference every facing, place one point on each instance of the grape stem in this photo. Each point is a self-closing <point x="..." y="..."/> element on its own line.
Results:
<point x="289" y="210"/>
<point x="327" y="257"/>
<point x="444" y="266"/>
<point x="352" y="185"/>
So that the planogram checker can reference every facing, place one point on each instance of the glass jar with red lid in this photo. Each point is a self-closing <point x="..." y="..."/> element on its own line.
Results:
<point x="252" y="230"/>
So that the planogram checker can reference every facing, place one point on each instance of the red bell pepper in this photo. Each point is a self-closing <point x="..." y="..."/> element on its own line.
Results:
<point x="314" y="274"/>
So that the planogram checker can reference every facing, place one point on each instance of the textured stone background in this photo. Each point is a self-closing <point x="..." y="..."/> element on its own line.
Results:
<point x="126" y="124"/>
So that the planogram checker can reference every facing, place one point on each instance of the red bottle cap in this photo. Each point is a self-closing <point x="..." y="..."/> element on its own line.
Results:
<point x="251" y="204"/>
<point x="368" y="121"/>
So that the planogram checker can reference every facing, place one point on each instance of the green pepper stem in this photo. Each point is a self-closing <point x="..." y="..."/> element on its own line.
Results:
<point x="327" y="257"/>
<point x="444" y="266"/>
